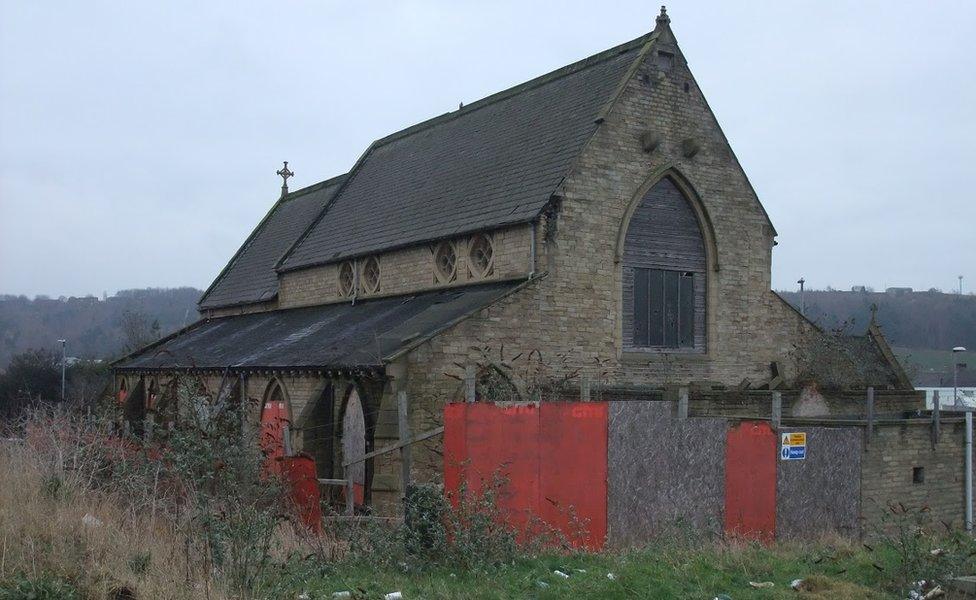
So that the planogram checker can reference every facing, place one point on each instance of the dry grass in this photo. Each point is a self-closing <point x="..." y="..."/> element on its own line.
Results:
<point x="53" y="523"/>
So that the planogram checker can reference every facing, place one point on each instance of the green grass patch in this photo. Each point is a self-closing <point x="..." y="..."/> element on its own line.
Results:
<point x="844" y="571"/>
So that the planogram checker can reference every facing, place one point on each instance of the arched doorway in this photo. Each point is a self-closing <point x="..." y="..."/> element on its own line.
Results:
<point x="318" y="432"/>
<point x="123" y="391"/>
<point x="274" y="435"/>
<point x="354" y="444"/>
<point x="134" y="409"/>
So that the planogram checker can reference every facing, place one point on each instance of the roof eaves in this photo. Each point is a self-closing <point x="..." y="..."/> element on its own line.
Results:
<point x="158" y="342"/>
<point x="461" y="231"/>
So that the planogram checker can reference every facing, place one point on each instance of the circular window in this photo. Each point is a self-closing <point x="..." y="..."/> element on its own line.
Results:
<point x="371" y="275"/>
<point x="347" y="279"/>
<point x="445" y="262"/>
<point x="480" y="255"/>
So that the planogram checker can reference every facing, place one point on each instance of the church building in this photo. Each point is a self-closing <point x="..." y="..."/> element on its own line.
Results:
<point x="587" y="232"/>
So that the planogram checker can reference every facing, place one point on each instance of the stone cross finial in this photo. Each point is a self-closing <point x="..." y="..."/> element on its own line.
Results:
<point x="284" y="173"/>
<point x="663" y="18"/>
<point x="874" y="313"/>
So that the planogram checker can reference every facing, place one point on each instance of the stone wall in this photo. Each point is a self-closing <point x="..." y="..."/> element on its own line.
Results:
<point x="888" y="464"/>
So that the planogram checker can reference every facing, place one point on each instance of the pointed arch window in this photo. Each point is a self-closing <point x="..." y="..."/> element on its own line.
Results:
<point x="664" y="274"/>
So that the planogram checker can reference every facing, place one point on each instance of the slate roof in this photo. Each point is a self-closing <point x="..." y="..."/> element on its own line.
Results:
<point x="250" y="275"/>
<point x="333" y="335"/>
<point x="492" y="163"/>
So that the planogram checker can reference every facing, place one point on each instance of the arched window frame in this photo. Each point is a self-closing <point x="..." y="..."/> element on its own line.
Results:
<point x="711" y="262"/>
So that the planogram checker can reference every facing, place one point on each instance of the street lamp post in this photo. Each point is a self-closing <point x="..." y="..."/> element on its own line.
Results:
<point x="955" y="374"/>
<point x="63" y="363"/>
<point x="803" y="302"/>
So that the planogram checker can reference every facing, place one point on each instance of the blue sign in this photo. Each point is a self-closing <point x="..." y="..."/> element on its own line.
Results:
<point x="795" y="452"/>
<point x="793" y="446"/>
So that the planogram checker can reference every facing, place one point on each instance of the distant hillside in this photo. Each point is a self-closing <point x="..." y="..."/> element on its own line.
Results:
<point x="94" y="327"/>
<point x="909" y="319"/>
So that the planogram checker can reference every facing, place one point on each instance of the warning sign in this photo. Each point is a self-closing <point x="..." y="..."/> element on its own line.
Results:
<point x="793" y="446"/>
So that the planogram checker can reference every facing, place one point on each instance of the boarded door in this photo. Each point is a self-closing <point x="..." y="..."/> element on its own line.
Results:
<point x="274" y="426"/>
<point x="354" y="444"/>
<point x="750" y="481"/>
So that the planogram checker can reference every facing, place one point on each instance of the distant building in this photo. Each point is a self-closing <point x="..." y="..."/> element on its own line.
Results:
<point x="859" y="288"/>
<point x="942" y="381"/>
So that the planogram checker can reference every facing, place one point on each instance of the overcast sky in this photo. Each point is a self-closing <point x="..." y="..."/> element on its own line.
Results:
<point x="139" y="140"/>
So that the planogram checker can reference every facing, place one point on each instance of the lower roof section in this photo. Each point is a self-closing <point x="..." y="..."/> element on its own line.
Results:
<point x="365" y="334"/>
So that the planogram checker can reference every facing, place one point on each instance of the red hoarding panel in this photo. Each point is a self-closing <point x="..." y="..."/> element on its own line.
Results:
<point x="551" y="462"/>
<point x="573" y="473"/>
<point x="304" y="485"/>
<point x="503" y="452"/>
<point x="750" y="481"/>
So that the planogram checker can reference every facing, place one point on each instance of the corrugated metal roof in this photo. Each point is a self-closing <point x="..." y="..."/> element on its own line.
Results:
<point x="333" y="335"/>
<point x="250" y="276"/>
<point x="492" y="163"/>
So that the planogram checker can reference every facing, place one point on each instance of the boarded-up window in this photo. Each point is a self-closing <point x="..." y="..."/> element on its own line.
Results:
<point x="664" y="308"/>
<point x="664" y="274"/>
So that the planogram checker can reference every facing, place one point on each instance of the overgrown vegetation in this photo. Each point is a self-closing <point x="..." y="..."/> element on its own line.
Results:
<point x="196" y="514"/>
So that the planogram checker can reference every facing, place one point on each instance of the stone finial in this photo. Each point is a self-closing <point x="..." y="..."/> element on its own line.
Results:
<point x="284" y="173"/>
<point x="874" y="313"/>
<point x="663" y="20"/>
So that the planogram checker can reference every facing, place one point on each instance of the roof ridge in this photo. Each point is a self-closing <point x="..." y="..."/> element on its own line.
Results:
<point x="519" y="88"/>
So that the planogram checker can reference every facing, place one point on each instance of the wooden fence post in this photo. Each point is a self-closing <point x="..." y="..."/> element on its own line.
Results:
<point x="350" y="500"/>
<point x="936" y="424"/>
<point x="683" y="403"/>
<point x="777" y="409"/>
<point x="869" y="409"/>
<point x="404" y="426"/>
<point x="470" y="394"/>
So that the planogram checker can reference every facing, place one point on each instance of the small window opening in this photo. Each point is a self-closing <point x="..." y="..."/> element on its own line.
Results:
<point x="665" y="60"/>
<point x="687" y="87"/>
<point x="918" y="475"/>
